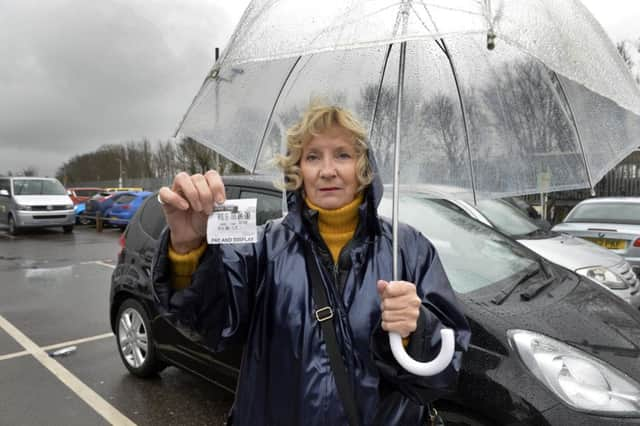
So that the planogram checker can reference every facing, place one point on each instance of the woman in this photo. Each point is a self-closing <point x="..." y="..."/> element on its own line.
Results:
<point x="260" y="294"/>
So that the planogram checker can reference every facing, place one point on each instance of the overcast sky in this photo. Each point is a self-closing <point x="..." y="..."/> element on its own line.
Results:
<point x="77" y="74"/>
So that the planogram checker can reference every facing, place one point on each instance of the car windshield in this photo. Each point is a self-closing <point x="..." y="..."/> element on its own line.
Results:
<point x="506" y="218"/>
<point x="609" y="212"/>
<point x="125" y="199"/>
<point x="474" y="255"/>
<point x="86" y="192"/>
<point x="38" y="187"/>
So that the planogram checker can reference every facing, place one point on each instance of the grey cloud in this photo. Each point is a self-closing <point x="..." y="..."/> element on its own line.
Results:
<point x="78" y="74"/>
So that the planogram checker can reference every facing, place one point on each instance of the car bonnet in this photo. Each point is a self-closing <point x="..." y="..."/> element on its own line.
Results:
<point x="572" y="252"/>
<point x="572" y="310"/>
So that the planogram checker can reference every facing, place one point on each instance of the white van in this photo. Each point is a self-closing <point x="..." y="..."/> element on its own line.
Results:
<point x="34" y="202"/>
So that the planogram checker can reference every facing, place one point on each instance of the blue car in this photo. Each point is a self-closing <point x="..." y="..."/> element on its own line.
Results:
<point x="100" y="203"/>
<point x="81" y="219"/>
<point x="124" y="207"/>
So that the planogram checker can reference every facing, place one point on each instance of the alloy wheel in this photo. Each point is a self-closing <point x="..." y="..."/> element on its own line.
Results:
<point x="133" y="338"/>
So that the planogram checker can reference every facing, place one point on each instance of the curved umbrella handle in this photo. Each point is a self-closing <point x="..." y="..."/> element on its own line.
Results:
<point x="430" y="368"/>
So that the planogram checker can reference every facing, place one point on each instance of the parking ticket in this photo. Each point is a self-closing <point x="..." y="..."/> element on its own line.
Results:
<point x="233" y="222"/>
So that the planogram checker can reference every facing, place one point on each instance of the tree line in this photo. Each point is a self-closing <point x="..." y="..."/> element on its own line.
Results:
<point x="139" y="159"/>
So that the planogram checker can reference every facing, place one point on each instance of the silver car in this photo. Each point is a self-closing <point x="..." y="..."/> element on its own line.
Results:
<point x="613" y="223"/>
<point x="583" y="257"/>
<point x="34" y="202"/>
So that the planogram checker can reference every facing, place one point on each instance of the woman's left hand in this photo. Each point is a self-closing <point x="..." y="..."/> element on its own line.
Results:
<point x="400" y="306"/>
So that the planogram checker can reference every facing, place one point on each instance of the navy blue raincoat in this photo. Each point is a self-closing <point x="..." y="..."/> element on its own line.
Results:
<point x="260" y="295"/>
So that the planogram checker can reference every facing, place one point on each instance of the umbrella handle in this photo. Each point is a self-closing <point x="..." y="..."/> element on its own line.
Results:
<point x="430" y="368"/>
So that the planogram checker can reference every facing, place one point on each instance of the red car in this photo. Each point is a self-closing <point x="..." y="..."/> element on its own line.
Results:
<point x="81" y="195"/>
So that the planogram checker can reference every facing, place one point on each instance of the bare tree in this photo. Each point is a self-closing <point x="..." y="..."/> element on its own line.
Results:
<point x="164" y="159"/>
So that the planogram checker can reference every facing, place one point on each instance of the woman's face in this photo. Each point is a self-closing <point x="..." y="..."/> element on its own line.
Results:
<point x="328" y="167"/>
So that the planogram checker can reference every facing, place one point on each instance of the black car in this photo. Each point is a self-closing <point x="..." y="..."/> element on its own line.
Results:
<point x="548" y="346"/>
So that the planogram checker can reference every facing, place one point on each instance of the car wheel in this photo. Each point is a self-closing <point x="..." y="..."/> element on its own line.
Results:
<point x="13" y="229"/>
<point x="67" y="229"/>
<point x="135" y="340"/>
<point x="84" y="221"/>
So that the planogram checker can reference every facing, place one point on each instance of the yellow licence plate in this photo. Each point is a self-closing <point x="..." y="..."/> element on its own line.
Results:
<point x="609" y="243"/>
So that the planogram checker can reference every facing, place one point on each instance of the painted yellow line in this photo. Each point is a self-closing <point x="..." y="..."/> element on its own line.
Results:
<point x="84" y="392"/>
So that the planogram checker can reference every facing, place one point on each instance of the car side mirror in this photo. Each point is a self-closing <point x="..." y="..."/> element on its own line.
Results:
<point x="69" y="193"/>
<point x="4" y="193"/>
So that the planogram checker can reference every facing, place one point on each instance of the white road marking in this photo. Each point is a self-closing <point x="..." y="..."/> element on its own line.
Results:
<point x="77" y="342"/>
<point x="13" y="355"/>
<point x="84" y="392"/>
<point x="98" y="262"/>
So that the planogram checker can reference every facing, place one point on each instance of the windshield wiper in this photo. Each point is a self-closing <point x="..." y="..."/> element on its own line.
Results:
<point x="531" y="290"/>
<point x="534" y="289"/>
<point x="538" y="232"/>
<point x="520" y="278"/>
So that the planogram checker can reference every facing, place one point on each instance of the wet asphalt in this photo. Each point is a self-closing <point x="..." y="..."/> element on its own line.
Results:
<point x="54" y="293"/>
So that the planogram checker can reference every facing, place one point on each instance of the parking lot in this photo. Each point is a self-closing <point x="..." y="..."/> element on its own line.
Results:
<point x="54" y="294"/>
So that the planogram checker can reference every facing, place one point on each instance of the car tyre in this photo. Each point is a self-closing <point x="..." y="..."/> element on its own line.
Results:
<point x="67" y="229"/>
<point x="84" y="221"/>
<point x="13" y="229"/>
<point x="135" y="340"/>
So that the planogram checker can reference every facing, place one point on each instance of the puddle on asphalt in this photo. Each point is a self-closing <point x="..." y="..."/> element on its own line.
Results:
<point x="62" y="273"/>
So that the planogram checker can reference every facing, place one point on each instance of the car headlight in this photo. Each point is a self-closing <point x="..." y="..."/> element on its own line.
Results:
<point x="603" y="276"/>
<point x="582" y="381"/>
<point x="68" y="206"/>
<point x="22" y="207"/>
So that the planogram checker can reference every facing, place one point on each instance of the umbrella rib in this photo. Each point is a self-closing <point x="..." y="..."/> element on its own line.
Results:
<point x="450" y="9"/>
<point x="273" y="109"/>
<point x="472" y="173"/>
<point x="424" y="24"/>
<point x="575" y="127"/>
<point x="426" y="9"/>
<point x="377" y="102"/>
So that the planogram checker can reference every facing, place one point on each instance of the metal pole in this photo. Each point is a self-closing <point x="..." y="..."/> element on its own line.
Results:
<point x="120" y="174"/>
<point x="216" y="156"/>
<point x="396" y="161"/>
<point x="447" y="349"/>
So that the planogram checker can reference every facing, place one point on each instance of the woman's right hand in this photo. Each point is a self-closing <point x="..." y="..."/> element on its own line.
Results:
<point x="187" y="206"/>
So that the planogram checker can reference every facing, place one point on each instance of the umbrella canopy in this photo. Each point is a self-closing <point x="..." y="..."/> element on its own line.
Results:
<point x="490" y="97"/>
<point x="551" y="107"/>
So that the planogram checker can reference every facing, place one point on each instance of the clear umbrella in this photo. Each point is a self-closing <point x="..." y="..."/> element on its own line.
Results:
<point x="494" y="98"/>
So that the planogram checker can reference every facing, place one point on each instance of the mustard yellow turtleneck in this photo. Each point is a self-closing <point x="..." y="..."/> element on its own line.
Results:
<point x="337" y="226"/>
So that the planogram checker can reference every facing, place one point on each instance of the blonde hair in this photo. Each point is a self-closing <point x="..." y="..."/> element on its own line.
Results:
<point x="315" y="121"/>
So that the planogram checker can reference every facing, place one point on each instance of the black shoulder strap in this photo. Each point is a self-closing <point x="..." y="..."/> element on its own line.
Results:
<point x="324" y="315"/>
